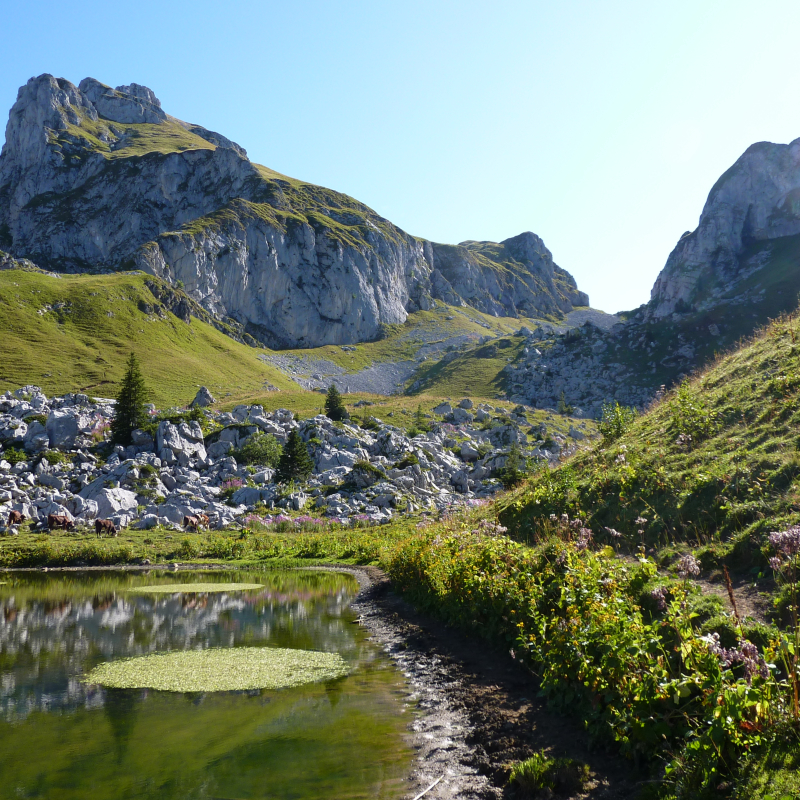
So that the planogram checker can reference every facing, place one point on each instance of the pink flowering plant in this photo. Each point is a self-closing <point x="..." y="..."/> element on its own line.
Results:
<point x="785" y="546"/>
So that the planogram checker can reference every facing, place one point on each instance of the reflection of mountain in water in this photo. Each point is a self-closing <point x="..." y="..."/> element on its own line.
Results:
<point x="46" y="645"/>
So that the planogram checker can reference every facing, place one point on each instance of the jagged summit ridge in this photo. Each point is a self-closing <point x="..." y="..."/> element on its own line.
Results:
<point x="757" y="201"/>
<point x="94" y="178"/>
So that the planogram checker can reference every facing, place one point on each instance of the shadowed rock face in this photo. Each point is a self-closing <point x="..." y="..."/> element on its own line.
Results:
<point x="756" y="200"/>
<point x="94" y="178"/>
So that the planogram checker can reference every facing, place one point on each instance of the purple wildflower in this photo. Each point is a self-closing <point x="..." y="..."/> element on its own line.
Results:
<point x="659" y="594"/>
<point x="688" y="565"/>
<point x="786" y="543"/>
<point x="584" y="539"/>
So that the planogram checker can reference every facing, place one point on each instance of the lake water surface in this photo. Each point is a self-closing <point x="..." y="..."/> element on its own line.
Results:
<point x="61" y="738"/>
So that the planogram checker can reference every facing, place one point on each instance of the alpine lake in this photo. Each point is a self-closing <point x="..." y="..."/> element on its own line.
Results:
<point x="317" y="711"/>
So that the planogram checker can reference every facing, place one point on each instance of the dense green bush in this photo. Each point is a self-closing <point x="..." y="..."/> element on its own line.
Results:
<point x="408" y="460"/>
<point x="14" y="455"/>
<point x="261" y="448"/>
<point x="691" y="416"/>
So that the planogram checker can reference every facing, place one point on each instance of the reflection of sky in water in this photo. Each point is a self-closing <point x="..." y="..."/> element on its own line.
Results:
<point x="46" y="645"/>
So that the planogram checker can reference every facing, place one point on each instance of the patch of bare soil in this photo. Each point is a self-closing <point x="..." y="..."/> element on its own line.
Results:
<point x="479" y="709"/>
<point x="752" y="598"/>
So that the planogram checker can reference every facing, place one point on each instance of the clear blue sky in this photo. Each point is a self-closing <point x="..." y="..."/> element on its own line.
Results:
<point x="601" y="126"/>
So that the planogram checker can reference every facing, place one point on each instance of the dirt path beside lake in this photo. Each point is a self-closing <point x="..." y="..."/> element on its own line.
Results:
<point x="479" y="710"/>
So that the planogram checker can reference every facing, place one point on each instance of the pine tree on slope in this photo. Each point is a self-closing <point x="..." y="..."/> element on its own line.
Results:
<point x="295" y="463"/>
<point x="129" y="412"/>
<point x="334" y="405"/>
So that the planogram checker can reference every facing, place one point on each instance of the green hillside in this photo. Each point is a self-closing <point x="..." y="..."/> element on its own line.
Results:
<point x="477" y="371"/>
<point x="74" y="332"/>
<point x="714" y="465"/>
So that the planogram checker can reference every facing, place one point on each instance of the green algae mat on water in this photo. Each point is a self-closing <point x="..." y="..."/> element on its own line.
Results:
<point x="197" y="588"/>
<point x="220" y="669"/>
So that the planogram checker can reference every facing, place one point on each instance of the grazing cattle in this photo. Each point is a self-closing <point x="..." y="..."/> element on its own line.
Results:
<point x="105" y="526"/>
<point x="16" y="518"/>
<point x="60" y="521"/>
<point x="191" y="522"/>
<point x="202" y="520"/>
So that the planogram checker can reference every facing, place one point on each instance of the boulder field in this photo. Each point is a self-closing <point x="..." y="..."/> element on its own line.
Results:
<point x="53" y="461"/>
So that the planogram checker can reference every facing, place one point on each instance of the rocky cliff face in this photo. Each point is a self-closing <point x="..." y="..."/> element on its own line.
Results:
<point x="94" y="178"/>
<point x="754" y="204"/>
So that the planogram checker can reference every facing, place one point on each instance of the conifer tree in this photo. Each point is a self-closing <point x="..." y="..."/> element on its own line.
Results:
<point x="295" y="463"/>
<point x="129" y="412"/>
<point x="334" y="406"/>
<point x="514" y="471"/>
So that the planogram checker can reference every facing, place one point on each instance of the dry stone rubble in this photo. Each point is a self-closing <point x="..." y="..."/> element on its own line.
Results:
<point x="370" y="474"/>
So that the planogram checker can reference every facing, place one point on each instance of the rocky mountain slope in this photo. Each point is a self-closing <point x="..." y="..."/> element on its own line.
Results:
<point x="736" y="271"/>
<point x="751" y="208"/>
<point x="97" y="179"/>
<point x="369" y="473"/>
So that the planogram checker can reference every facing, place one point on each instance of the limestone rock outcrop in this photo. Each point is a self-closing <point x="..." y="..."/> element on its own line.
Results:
<point x="97" y="179"/>
<point x="753" y="204"/>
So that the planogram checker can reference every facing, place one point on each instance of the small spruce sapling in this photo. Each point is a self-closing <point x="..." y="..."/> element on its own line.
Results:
<point x="130" y="412"/>
<point x="514" y="471"/>
<point x="295" y="462"/>
<point x="334" y="406"/>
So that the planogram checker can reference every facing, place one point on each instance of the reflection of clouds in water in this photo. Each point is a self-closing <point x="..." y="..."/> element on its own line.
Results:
<point x="118" y="614"/>
<point x="50" y="645"/>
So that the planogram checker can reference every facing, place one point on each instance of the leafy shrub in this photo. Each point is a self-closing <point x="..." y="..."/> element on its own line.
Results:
<point x="370" y="423"/>
<point x="189" y="548"/>
<point x="615" y="420"/>
<point x="42" y="418"/>
<point x="691" y="416"/>
<point x="408" y="460"/>
<point x="14" y="455"/>
<point x="660" y="689"/>
<point x="365" y="466"/>
<point x="261" y="448"/>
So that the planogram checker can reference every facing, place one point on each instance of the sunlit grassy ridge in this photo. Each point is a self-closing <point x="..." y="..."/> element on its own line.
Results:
<point x="82" y="344"/>
<point x="479" y="369"/>
<point x="73" y="333"/>
<point x="715" y="463"/>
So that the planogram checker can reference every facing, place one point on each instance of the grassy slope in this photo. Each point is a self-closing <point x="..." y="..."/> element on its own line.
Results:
<point x="736" y="482"/>
<point x="478" y="370"/>
<point x="81" y="347"/>
<point x="424" y="327"/>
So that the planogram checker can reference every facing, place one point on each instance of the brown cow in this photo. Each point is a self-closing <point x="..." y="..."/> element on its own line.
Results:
<point x="15" y="518"/>
<point x="202" y="520"/>
<point x="191" y="522"/>
<point x="60" y="521"/>
<point x="105" y="526"/>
